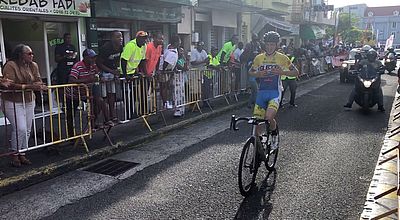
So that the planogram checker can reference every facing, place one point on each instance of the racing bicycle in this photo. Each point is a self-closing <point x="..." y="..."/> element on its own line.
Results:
<point x="257" y="149"/>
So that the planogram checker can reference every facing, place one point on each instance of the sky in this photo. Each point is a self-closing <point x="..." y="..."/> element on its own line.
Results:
<point x="370" y="3"/>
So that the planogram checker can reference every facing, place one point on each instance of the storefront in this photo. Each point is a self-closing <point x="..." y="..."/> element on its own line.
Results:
<point x="41" y="25"/>
<point x="131" y="16"/>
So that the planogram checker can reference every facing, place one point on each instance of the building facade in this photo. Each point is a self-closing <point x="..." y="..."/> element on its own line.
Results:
<point x="383" y="21"/>
<point x="41" y="25"/>
<point x="356" y="11"/>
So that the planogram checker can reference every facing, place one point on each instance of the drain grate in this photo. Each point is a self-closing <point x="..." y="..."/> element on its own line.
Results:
<point x="111" y="167"/>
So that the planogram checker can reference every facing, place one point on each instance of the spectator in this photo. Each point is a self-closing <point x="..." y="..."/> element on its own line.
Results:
<point x="4" y="83"/>
<point x="168" y="63"/>
<point x="133" y="60"/>
<point x="198" y="56"/>
<point x="133" y="56"/>
<point x="108" y="63"/>
<point x="179" y="86"/>
<point x="207" y="86"/>
<point x="86" y="72"/>
<point x="251" y="50"/>
<point x="226" y="51"/>
<point x="153" y="53"/>
<point x="66" y="57"/>
<point x="237" y="67"/>
<point x="19" y="106"/>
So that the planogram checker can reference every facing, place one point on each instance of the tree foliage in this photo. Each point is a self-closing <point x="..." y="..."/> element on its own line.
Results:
<point x="346" y="29"/>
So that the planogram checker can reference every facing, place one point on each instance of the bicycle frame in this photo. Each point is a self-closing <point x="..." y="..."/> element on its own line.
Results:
<point x="254" y="122"/>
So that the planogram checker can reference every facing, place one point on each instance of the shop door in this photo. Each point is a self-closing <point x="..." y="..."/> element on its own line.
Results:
<point x="29" y="32"/>
<point x="55" y="35"/>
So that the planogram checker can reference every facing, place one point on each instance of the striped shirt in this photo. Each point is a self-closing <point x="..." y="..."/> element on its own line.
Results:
<point x="80" y="70"/>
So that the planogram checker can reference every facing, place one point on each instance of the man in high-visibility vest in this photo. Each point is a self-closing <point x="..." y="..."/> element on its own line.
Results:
<point x="289" y="82"/>
<point x="133" y="56"/>
<point x="228" y="48"/>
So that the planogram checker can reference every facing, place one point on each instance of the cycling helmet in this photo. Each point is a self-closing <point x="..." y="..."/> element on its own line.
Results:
<point x="390" y="49"/>
<point x="372" y="55"/>
<point x="366" y="48"/>
<point x="272" y="36"/>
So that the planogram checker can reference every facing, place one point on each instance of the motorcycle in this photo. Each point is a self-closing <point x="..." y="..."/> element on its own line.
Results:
<point x="367" y="89"/>
<point x="390" y="62"/>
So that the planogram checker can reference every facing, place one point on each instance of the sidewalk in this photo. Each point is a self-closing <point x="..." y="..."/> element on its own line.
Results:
<point x="50" y="163"/>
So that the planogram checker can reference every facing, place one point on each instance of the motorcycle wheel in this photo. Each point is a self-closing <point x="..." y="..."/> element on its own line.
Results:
<point x="365" y="102"/>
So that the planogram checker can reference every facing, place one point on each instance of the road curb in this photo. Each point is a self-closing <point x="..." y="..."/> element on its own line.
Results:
<point x="14" y="183"/>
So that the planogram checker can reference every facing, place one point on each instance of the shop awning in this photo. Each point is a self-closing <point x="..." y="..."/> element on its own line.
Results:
<point x="311" y="32"/>
<point x="228" y="5"/>
<point x="260" y="21"/>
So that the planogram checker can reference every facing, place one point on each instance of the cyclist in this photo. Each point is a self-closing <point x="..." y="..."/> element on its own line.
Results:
<point x="268" y="67"/>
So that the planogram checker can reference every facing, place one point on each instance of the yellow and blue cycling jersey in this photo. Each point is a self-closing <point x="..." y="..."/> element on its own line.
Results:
<point x="270" y="86"/>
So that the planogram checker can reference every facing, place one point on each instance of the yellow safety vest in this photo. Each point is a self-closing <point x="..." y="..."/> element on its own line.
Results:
<point x="289" y="77"/>
<point x="133" y="54"/>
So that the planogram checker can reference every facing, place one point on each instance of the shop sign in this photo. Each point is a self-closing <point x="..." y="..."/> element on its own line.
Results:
<point x="79" y="8"/>
<point x="134" y="11"/>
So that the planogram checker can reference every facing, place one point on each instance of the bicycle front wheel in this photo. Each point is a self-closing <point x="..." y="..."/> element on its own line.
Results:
<point x="248" y="167"/>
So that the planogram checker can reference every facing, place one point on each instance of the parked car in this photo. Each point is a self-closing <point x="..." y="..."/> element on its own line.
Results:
<point x="397" y="51"/>
<point x="347" y="70"/>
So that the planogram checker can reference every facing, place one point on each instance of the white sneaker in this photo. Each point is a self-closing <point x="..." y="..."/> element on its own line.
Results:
<point x="178" y="113"/>
<point x="274" y="142"/>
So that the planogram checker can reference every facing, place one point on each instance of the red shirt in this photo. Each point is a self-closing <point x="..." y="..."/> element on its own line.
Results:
<point x="152" y="56"/>
<point x="80" y="70"/>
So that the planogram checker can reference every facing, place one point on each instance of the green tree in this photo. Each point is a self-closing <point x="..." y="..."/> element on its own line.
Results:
<point x="347" y="30"/>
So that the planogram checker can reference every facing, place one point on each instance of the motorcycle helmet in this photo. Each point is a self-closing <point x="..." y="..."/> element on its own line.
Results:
<point x="390" y="49"/>
<point x="366" y="48"/>
<point x="272" y="36"/>
<point x="372" y="55"/>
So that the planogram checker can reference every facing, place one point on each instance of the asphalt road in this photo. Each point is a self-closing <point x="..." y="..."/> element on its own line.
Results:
<point x="326" y="162"/>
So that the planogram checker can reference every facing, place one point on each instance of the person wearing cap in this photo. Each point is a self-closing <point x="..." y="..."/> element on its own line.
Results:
<point x="85" y="72"/>
<point x="133" y="56"/>
<point x="198" y="56"/>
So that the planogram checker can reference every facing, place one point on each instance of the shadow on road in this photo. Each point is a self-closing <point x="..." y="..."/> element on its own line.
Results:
<point x="257" y="205"/>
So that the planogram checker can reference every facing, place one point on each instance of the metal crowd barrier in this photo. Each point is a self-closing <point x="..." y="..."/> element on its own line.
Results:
<point x="394" y="156"/>
<point x="70" y="112"/>
<point x="54" y="116"/>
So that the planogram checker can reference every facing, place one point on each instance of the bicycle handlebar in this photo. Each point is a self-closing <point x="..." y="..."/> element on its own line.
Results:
<point x="250" y="120"/>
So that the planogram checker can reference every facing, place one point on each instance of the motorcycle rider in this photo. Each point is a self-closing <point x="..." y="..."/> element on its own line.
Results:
<point x="362" y="55"/>
<point x="372" y="67"/>
<point x="390" y="50"/>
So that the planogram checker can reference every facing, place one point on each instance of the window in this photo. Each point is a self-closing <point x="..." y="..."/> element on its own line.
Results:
<point x="394" y="25"/>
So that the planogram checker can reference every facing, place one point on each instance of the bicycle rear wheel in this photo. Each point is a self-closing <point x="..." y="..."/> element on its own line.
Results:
<point x="272" y="155"/>
<point x="247" y="171"/>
